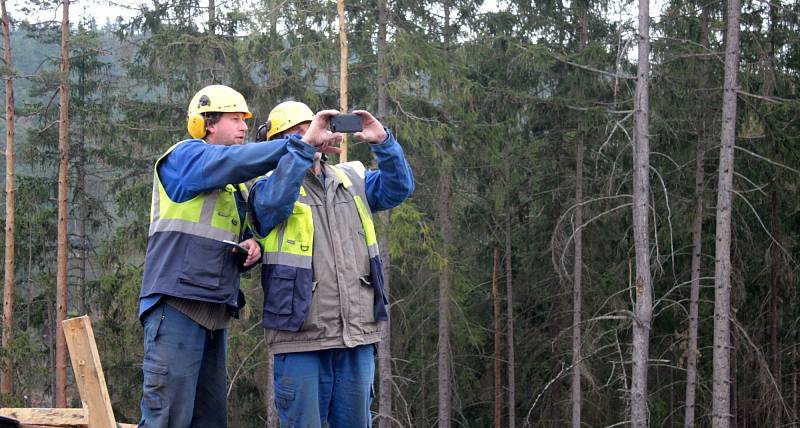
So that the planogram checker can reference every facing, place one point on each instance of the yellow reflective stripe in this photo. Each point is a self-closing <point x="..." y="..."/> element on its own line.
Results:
<point x="343" y="177"/>
<point x="366" y="221"/>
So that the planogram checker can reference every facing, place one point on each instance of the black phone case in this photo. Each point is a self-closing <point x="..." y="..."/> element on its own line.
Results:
<point x="346" y="123"/>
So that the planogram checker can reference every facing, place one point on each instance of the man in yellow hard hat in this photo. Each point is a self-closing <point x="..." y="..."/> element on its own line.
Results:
<point x="198" y="244"/>
<point x="322" y="275"/>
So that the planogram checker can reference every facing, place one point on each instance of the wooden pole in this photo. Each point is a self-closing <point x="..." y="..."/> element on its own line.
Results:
<point x="342" y="71"/>
<point x="63" y="214"/>
<point x="6" y="382"/>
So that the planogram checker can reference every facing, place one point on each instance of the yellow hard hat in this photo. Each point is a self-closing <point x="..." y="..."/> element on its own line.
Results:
<point x="213" y="99"/>
<point x="286" y="115"/>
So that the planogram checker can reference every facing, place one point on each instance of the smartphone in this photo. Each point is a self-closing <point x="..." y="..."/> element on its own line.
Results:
<point x="346" y="123"/>
<point x="234" y="244"/>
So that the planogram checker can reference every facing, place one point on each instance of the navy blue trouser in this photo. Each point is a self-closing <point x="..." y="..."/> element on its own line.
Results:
<point x="330" y="388"/>
<point x="184" y="372"/>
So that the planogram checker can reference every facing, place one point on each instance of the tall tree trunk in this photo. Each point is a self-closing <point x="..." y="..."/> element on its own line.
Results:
<point x="510" y="321"/>
<point x="775" y="310"/>
<point x="443" y="218"/>
<point x="694" y="294"/>
<point x="212" y="16"/>
<point x="721" y="394"/>
<point x="577" y="271"/>
<point x="643" y="311"/>
<point x="697" y="245"/>
<point x="342" y="71"/>
<point x="577" y="298"/>
<point x="775" y="226"/>
<point x="385" y="346"/>
<point x="63" y="215"/>
<point x="6" y="380"/>
<point x="498" y="377"/>
<point x="79" y="193"/>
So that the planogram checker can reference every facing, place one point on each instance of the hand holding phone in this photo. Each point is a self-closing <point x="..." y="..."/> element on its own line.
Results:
<point x="237" y="246"/>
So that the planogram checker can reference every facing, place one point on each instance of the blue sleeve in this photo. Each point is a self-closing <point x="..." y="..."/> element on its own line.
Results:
<point x="272" y="198"/>
<point x="195" y="167"/>
<point x="393" y="182"/>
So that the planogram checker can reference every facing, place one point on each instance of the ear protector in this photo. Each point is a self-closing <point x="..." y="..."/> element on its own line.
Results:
<point x="263" y="129"/>
<point x="195" y="122"/>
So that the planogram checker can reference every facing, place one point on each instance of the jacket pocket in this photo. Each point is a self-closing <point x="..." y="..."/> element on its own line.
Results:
<point x="281" y="290"/>
<point x="287" y="297"/>
<point x="203" y="263"/>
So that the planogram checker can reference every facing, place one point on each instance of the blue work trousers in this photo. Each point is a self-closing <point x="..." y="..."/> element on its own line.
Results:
<point x="184" y="372"/>
<point x="331" y="388"/>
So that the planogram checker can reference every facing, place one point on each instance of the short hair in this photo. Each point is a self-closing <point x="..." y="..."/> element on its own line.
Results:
<point x="211" y="118"/>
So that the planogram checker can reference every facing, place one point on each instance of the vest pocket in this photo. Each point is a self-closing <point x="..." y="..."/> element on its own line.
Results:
<point x="202" y="263"/>
<point x="281" y="290"/>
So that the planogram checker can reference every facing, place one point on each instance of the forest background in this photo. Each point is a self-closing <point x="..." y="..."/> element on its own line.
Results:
<point x="512" y="267"/>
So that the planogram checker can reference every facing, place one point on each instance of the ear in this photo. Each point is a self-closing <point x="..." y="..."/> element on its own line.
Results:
<point x="210" y="129"/>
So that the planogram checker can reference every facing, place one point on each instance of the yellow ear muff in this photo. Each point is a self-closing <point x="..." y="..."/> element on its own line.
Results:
<point x="196" y="125"/>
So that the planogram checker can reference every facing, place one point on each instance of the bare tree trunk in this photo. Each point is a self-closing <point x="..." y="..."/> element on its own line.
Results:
<point x="577" y="298"/>
<point x="721" y="395"/>
<point x="498" y="377"/>
<point x="63" y="214"/>
<point x="694" y="297"/>
<point x="775" y="311"/>
<point x="212" y="16"/>
<point x="385" y="346"/>
<point x="643" y="311"/>
<point x="383" y="70"/>
<point x="342" y="71"/>
<point x="794" y="379"/>
<point x="697" y="249"/>
<point x="6" y="379"/>
<point x="79" y="194"/>
<point x="510" y="322"/>
<point x="443" y="217"/>
<point x="775" y="225"/>
<point x="577" y="269"/>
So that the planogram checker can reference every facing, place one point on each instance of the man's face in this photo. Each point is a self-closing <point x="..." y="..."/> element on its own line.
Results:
<point x="230" y="130"/>
<point x="299" y="129"/>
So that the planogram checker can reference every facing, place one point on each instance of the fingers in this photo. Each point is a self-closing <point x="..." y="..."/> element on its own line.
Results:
<point x="253" y="251"/>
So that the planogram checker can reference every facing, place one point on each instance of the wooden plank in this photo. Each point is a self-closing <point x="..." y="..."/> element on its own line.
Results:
<point x="57" y="417"/>
<point x="88" y="372"/>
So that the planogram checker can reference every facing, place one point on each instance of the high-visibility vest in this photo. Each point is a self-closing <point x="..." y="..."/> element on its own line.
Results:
<point x="185" y="255"/>
<point x="289" y="248"/>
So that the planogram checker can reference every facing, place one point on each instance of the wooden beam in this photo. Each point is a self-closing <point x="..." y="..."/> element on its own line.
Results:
<point x="46" y="416"/>
<point x="88" y="372"/>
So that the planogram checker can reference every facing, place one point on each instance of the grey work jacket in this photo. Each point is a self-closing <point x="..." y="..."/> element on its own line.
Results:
<point x="341" y="311"/>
